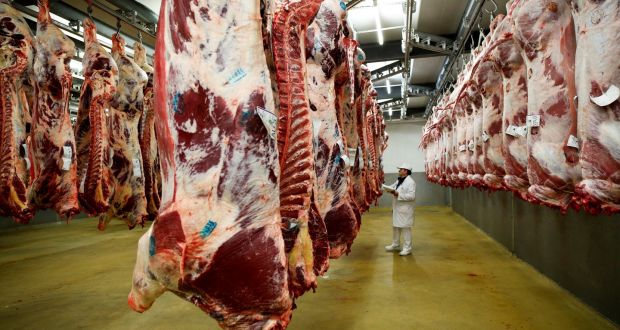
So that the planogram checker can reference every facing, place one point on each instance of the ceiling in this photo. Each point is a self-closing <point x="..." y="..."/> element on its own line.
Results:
<point x="437" y="17"/>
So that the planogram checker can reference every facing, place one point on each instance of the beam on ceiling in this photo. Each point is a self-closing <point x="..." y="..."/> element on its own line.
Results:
<point x="396" y="102"/>
<point x="392" y="51"/>
<point x="412" y="91"/>
<point x="129" y="16"/>
<point x="386" y="71"/>
<point x="432" y="43"/>
<point x="353" y="3"/>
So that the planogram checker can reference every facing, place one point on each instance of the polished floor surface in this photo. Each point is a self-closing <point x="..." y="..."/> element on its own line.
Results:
<point x="60" y="276"/>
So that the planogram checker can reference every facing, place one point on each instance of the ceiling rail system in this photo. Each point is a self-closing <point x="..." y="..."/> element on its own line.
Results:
<point x="130" y="16"/>
<point x="466" y="26"/>
<point x="432" y="42"/>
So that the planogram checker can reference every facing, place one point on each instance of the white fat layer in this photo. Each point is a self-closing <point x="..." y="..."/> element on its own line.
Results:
<point x="518" y="150"/>
<point x="231" y="72"/>
<point x="551" y="158"/>
<point x="609" y="137"/>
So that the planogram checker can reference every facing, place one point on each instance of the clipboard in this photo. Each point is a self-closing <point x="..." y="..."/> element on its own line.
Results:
<point x="387" y="188"/>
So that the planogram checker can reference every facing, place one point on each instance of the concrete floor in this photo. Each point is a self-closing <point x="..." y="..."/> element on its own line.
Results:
<point x="62" y="276"/>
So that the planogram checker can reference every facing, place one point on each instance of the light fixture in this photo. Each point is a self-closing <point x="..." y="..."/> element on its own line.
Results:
<point x="378" y="22"/>
<point x="390" y="112"/>
<point x="387" y="85"/>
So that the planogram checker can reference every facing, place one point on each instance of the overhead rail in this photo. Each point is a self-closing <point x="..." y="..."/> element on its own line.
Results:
<point x="129" y="17"/>
<point x="432" y="42"/>
<point x="353" y="3"/>
<point x="393" y="103"/>
<point x="418" y="90"/>
<point x="387" y="71"/>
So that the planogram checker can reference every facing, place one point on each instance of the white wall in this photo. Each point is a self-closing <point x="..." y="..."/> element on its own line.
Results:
<point x="403" y="146"/>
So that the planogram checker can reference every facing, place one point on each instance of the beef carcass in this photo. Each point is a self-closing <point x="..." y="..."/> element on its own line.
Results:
<point x="328" y="55"/>
<point x="598" y="74"/>
<point x="512" y="68"/>
<point x="91" y="128"/>
<point x="217" y="240"/>
<point x="358" y="172"/>
<point x="128" y="201"/>
<point x="489" y="81"/>
<point x="461" y="131"/>
<point x="53" y="143"/>
<point x="148" y="142"/>
<point x="545" y="33"/>
<point x="16" y="56"/>
<point x="295" y="139"/>
<point x="342" y="233"/>
<point x="474" y="99"/>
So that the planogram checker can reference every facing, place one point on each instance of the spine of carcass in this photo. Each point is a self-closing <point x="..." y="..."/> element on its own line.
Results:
<point x="295" y="139"/>
<point x="217" y="240"/>
<point x="91" y="128"/>
<point x="148" y="142"/>
<point x="53" y="143"/>
<point x="16" y="40"/>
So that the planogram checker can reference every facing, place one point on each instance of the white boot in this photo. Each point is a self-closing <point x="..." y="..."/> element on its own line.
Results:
<point x="408" y="244"/>
<point x="395" y="246"/>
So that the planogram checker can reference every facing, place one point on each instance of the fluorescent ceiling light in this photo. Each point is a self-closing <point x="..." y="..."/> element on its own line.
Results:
<point x="387" y="85"/>
<point x="378" y="22"/>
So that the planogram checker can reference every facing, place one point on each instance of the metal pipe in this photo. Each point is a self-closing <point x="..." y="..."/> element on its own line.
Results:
<point x="353" y="3"/>
<point x="405" y="80"/>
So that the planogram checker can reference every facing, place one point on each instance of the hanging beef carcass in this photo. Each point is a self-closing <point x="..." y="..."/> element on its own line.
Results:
<point x="344" y="219"/>
<point x="545" y="33"/>
<point x="217" y="240"/>
<point x="328" y="54"/>
<point x="128" y="201"/>
<point x="489" y="81"/>
<point x="295" y="139"/>
<point x="598" y="83"/>
<point x="16" y="56"/>
<point x="91" y="128"/>
<point x="474" y="99"/>
<point x="52" y="140"/>
<point x="510" y="63"/>
<point x="359" y="170"/>
<point x="369" y="178"/>
<point x="148" y="142"/>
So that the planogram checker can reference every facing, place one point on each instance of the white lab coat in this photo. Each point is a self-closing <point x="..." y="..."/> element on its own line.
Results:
<point x="404" y="205"/>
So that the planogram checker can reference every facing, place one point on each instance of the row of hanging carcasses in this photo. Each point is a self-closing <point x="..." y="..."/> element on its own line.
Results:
<point x="107" y="164"/>
<point x="537" y="110"/>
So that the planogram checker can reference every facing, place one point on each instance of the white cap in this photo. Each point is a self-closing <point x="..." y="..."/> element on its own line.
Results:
<point x="405" y="166"/>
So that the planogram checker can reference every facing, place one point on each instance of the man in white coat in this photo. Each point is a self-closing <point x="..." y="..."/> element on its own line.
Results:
<point x="403" y="207"/>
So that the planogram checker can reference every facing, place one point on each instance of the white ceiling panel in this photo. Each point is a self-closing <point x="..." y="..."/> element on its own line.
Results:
<point x="426" y="69"/>
<point x="440" y="16"/>
<point x="417" y="102"/>
<point x="153" y="5"/>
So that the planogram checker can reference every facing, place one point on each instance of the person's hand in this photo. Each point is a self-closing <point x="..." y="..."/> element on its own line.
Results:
<point x="395" y="193"/>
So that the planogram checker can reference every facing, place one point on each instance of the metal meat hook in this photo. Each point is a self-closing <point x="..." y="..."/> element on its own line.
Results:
<point x="118" y="26"/>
